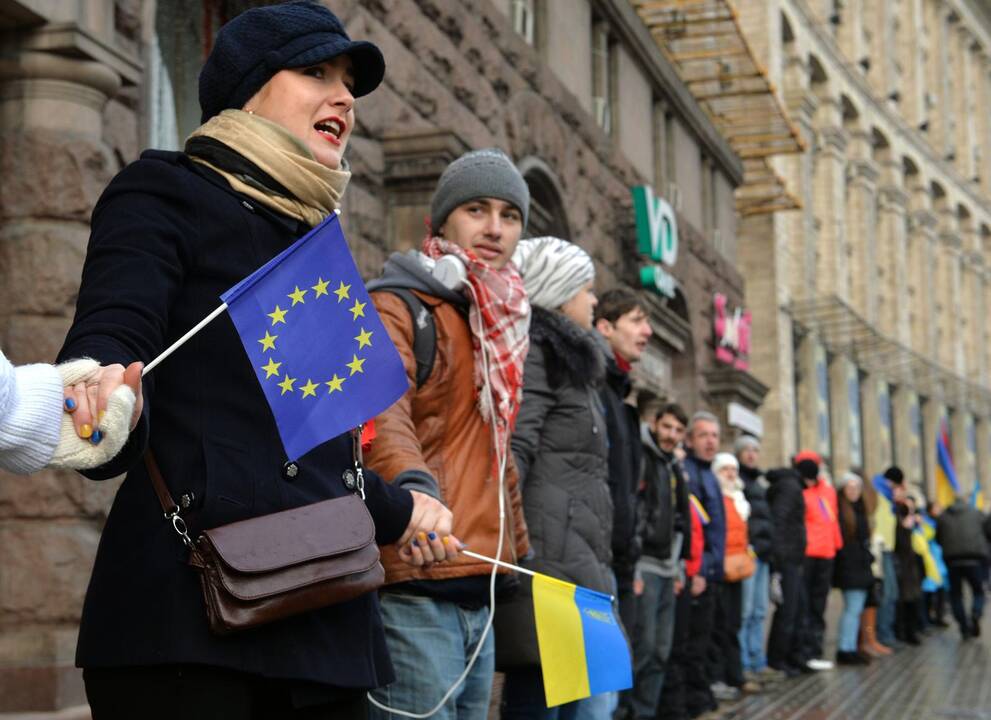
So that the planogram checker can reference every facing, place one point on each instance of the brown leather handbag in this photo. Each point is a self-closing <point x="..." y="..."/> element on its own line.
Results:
<point x="274" y="566"/>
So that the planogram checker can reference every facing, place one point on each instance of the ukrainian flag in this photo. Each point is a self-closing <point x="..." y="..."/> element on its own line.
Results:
<point x="977" y="496"/>
<point x="583" y="651"/>
<point x="947" y="487"/>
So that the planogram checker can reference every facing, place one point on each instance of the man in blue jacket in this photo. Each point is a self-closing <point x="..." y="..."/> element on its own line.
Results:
<point x="702" y="440"/>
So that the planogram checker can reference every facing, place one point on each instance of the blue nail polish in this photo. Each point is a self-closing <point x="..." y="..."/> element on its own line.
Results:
<point x="432" y="536"/>
<point x="415" y="543"/>
<point x="70" y="404"/>
<point x="96" y="437"/>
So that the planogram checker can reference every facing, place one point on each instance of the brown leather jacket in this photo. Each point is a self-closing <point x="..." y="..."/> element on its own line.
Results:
<point x="438" y="430"/>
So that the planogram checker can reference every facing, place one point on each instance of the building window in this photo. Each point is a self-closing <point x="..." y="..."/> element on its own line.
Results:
<point x="525" y="19"/>
<point x="547" y="210"/>
<point x="602" y="76"/>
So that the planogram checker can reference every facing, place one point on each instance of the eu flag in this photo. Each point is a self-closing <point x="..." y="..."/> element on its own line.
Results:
<point x="319" y="349"/>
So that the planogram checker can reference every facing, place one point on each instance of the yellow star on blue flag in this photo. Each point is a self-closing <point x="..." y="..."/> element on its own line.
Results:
<point x="318" y="342"/>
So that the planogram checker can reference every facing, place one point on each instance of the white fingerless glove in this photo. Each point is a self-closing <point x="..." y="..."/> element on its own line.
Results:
<point x="80" y="454"/>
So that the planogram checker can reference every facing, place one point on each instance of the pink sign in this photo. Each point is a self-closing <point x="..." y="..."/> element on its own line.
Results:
<point x="732" y="334"/>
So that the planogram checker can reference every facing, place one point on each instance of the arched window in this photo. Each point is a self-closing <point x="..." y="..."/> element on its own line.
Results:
<point x="548" y="215"/>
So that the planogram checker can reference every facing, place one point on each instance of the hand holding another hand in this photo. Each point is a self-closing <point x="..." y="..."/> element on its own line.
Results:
<point x="428" y="537"/>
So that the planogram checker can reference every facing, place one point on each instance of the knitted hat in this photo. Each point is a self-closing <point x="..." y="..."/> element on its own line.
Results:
<point x="260" y="42"/>
<point x="553" y="270"/>
<point x="895" y="475"/>
<point x="478" y="174"/>
<point x="724" y="460"/>
<point x="849" y="477"/>
<point x="744" y="442"/>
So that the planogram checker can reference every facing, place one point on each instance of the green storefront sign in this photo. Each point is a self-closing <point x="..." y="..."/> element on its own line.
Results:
<point x="657" y="239"/>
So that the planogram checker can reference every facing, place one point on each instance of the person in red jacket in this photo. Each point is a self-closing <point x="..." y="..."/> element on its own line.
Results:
<point x="823" y="539"/>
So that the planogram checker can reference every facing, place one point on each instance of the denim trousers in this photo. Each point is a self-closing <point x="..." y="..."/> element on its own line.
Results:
<point x="652" y="637"/>
<point x="889" y="600"/>
<point x="430" y="642"/>
<point x="853" y="606"/>
<point x="523" y="698"/>
<point x="755" y="601"/>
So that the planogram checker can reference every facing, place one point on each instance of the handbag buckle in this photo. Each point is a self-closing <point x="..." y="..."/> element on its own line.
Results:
<point x="180" y="527"/>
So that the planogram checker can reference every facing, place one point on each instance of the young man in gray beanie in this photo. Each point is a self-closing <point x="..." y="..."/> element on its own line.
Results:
<point x="448" y="436"/>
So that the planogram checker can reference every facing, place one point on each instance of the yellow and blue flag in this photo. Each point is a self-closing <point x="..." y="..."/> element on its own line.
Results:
<point x="947" y="487"/>
<point x="318" y="348"/>
<point x="977" y="496"/>
<point x="583" y="651"/>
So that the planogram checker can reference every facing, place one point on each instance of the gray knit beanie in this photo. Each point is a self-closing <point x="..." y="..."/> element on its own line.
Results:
<point x="478" y="174"/>
<point x="553" y="270"/>
<point x="746" y="441"/>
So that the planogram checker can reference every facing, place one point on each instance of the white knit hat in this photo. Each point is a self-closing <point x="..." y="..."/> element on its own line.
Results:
<point x="553" y="270"/>
<point x="724" y="460"/>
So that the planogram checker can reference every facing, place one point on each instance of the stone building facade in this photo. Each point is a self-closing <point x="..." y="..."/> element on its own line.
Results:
<point x="576" y="91"/>
<point x="875" y="332"/>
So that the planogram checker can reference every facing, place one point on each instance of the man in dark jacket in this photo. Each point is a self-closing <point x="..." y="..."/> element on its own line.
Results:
<point x="760" y="535"/>
<point x="663" y="532"/>
<point x="624" y="329"/>
<point x="703" y="444"/>
<point x="787" y="506"/>
<point x="960" y="532"/>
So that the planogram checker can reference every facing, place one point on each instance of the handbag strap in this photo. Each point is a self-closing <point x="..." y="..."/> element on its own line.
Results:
<point x="169" y="506"/>
<point x="171" y="509"/>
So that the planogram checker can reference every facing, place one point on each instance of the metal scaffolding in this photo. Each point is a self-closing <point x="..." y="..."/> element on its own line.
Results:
<point x="842" y="330"/>
<point x="704" y="41"/>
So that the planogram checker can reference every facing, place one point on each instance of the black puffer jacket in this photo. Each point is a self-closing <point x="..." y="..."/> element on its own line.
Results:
<point x="760" y="527"/>
<point x="787" y="504"/>
<point x="960" y="532"/>
<point x="561" y="451"/>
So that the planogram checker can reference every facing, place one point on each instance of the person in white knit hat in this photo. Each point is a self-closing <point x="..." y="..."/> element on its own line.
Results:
<point x="38" y="406"/>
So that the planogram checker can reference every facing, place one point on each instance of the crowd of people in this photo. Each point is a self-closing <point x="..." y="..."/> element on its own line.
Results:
<point x="516" y="439"/>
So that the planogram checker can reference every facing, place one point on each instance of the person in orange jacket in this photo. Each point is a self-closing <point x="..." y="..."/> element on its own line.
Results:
<point x="823" y="539"/>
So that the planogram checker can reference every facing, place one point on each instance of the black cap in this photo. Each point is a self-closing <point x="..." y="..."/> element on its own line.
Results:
<point x="895" y="475"/>
<point x="808" y="469"/>
<point x="260" y="42"/>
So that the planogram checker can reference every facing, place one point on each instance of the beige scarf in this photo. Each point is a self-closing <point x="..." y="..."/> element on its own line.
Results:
<point x="315" y="189"/>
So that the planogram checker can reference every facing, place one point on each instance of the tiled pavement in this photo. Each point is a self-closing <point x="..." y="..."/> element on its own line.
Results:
<point x="943" y="678"/>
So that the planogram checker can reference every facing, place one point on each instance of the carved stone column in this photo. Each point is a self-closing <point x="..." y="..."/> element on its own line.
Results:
<point x="893" y="306"/>
<point x="862" y="174"/>
<point x="55" y="81"/>
<point x="832" y="272"/>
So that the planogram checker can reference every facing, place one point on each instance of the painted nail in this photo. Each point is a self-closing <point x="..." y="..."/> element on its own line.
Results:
<point x="447" y="539"/>
<point x="70" y="405"/>
<point x="462" y="546"/>
<point x="96" y="437"/>
<point x="422" y="537"/>
<point x="100" y="415"/>
<point x="432" y="536"/>
<point x="414" y="543"/>
<point x="85" y="431"/>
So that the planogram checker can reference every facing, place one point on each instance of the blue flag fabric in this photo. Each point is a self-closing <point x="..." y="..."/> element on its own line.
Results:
<point x="321" y="354"/>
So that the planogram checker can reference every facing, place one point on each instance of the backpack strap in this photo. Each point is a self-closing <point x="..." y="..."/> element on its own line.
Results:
<point x="424" y="332"/>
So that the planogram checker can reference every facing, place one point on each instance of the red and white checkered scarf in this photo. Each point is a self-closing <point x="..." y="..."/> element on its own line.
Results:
<point x="499" y="316"/>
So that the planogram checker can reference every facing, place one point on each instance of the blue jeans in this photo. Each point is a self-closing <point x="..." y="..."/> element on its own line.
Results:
<point x="889" y="600"/>
<point x="652" y="637"/>
<point x="853" y="606"/>
<point x="755" y="599"/>
<point x="523" y="698"/>
<point x="430" y="642"/>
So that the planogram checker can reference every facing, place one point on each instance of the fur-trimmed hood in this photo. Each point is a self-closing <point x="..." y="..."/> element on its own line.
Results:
<point x="572" y="354"/>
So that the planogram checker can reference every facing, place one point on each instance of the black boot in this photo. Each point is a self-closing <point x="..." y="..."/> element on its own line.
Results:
<point x="975" y="625"/>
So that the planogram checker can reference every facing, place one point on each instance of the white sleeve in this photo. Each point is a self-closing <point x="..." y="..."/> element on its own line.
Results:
<point x="30" y="415"/>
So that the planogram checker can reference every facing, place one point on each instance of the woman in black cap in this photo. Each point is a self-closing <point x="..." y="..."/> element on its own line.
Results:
<point x="169" y="235"/>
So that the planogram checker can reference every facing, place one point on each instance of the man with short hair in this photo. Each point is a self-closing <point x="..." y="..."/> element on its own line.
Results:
<point x="663" y="531"/>
<point x="960" y="532"/>
<point x="702" y="440"/>
<point x="622" y="323"/>
<point x="446" y="435"/>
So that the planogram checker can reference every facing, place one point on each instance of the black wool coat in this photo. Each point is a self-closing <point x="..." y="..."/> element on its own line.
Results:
<point x="168" y="237"/>
<point x="625" y="459"/>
